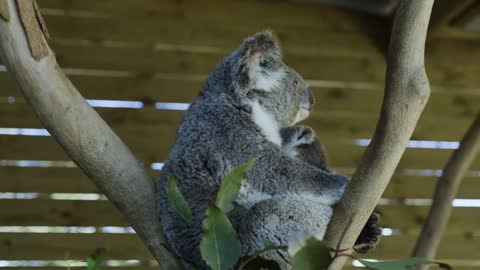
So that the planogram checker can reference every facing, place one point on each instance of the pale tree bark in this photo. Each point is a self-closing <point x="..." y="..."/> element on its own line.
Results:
<point x="447" y="188"/>
<point x="82" y="133"/>
<point x="406" y="93"/>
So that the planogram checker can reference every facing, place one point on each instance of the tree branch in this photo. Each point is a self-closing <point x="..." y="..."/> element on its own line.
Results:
<point x="445" y="192"/>
<point x="84" y="136"/>
<point x="406" y="93"/>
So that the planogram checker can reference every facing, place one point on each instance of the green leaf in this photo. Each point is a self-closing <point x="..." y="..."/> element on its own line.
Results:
<point x="219" y="246"/>
<point x="403" y="264"/>
<point x="267" y="246"/>
<point x="267" y="243"/>
<point x="177" y="200"/>
<point x="313" y="255"/>
<point x="261" y="263"/>
<point x="95" y="259"/>
<point x="231" y="185"/>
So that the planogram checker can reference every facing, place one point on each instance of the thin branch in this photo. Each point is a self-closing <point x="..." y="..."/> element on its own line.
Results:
<point x="84" y="136"/>
<point x="446" y="191"/>
<point x="406" y="93"/>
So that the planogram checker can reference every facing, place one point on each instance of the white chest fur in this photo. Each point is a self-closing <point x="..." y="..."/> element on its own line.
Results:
<point x="266" y="122"/>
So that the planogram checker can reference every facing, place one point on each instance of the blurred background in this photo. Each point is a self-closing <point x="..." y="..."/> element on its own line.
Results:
<point x="140" y="62"/>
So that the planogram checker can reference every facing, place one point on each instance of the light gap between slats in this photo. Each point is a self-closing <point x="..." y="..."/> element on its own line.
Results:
<point x="458" y="202"/>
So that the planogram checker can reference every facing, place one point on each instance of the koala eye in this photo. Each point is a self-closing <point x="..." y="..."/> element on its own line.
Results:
<point x="295" y="83"/>
<point x="264" y="62"/>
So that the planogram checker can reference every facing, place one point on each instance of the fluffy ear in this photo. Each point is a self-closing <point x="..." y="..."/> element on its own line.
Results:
<point x="259" y="64"/>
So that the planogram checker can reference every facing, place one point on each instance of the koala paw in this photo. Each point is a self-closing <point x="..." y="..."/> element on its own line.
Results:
<point x="304" y="135"/>
<point x="370" y="235"/>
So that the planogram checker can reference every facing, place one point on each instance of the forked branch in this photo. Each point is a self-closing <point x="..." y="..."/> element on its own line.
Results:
<point x="82" y="133"/>
<point x="406" y="92"/>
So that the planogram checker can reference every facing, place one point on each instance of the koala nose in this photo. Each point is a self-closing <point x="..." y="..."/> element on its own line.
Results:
<point x="311" y="98"/>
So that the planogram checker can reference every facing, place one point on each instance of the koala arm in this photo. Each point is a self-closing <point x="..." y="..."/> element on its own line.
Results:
<point x="277" y="175"/>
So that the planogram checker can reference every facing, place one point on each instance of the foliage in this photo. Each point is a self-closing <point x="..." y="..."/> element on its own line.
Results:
<point x="177" y="200"/>
<point x="231" y="186"/>
<point x="257" y="262"/>
<point x="94" y="261"/>
<point x="313" y="255"/>
<point x="253" y="263"/>
<point x="219" y="246"/>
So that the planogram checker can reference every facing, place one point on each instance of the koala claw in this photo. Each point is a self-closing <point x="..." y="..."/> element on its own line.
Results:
<point x="370" y="235"/>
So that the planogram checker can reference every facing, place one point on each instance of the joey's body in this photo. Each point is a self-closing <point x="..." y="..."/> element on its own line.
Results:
<point x="245" y="109"/>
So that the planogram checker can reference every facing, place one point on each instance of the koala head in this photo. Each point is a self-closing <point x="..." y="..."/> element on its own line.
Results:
<point x="258" y="75"/>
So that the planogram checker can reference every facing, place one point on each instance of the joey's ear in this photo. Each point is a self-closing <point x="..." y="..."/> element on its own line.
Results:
<point x="259" y="64"/>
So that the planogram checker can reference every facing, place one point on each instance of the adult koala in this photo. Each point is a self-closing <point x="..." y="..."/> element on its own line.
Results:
<point x="247" y="108"/>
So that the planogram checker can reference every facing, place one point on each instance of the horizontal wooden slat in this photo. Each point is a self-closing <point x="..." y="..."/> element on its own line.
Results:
<point x="262" y="14"/>
<point x="44" y="212"/>
<point x="48" y="180"/>
<point x="440" y="64"/>
<point x="45" y="180"/>
<point x="34" y="246"/>
<point x="450" y="102"/>
<point x="22" y="246"/>
<point x="327" y="66"/>
<point x="151" y="148"/>
<point x="322" y="67"/>
<point x="71" y="180"/>
<point x="299" y="14"/>
<point x="155" y="149"/>
<point x="403" y="186"/>
<point x="411" y="218"/>
<point x="327" y="123"/>
<point x="451" y="247"/>
<point x="59" y="213"/>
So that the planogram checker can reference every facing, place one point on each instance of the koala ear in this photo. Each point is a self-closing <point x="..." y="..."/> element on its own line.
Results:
<point x="260" y="66"/>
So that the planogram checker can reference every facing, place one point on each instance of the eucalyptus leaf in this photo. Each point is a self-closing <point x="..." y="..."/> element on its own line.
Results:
<point x="219" y="246"/>
<point x="258" y="263"/>
<point x="267" y="243"/>
<point x="403" y="264"/>
<point x="313" y="255"/>
<point x="177" y="200"/>
<point x="268" y="246"/>
<point x="94" y="261"/>
<point x="231" y="185"/>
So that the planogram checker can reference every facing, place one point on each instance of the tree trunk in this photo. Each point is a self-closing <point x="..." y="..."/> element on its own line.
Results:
<point x="445" y="192"/>
<point x="84" y="136"/>
<point x="406" y="93"/>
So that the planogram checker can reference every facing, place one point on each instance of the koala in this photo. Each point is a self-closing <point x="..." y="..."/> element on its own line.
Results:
<point x="248" y="107"/>
<point x="301" y="142"/>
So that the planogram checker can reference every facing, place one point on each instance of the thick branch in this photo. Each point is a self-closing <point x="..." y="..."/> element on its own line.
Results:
<point x="445" y="192"/>
<point x="406" y="93"/>
<point x="84" y="136"/>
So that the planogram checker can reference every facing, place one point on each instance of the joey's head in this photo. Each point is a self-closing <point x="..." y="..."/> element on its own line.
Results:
<point x="260" y="78"/>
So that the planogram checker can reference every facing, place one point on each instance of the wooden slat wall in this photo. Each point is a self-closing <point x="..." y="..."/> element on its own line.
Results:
<point x="165" y="49"/>
<point x="71" y="180"/>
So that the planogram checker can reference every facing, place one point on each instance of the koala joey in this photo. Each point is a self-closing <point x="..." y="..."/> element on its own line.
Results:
<point x="247" y="108"/>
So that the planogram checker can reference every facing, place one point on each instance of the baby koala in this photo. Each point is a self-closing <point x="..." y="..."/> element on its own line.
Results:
<point x="301" y="142"/>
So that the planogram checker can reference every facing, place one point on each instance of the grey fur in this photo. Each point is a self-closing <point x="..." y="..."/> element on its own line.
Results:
<point x="281" y="195"/>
